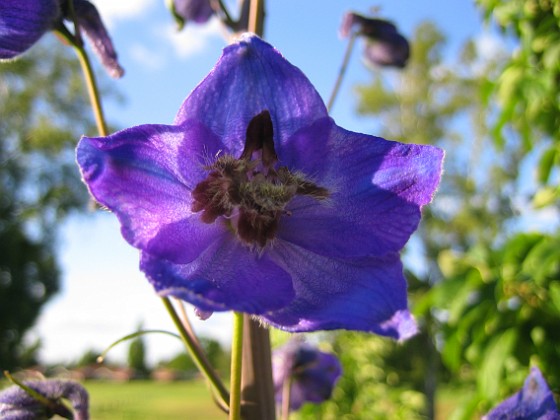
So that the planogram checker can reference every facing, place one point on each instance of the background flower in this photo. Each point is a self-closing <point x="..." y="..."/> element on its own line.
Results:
<point x="312" y="373"/>
<point x="23" y="22"/>
<point x="533" y="401"/>
<point x="339" y="206"/>
<point x="17" y="404"/>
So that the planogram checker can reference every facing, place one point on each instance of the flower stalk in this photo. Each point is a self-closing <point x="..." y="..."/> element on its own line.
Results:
<point x="198" y="357"/>
<point x="236" y="365"/>
<point x="342" y="71"/>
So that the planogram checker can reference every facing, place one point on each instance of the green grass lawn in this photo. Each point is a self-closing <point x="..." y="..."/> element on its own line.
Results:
<point x="151" y="400"/>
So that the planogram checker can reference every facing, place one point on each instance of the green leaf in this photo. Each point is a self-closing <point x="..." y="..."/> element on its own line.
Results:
<point x="546" y="163"/>
<point x="545" y="197"/>
<point x="490" y="374"/>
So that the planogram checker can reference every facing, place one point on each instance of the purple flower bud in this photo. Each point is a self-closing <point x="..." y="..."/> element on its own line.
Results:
<point x="198" y="11"/>
<point x="23" y="22"/>
<point x="385" y="46"/>
<point x="92" y="27"/>
<point x="17" y="404"/>
<point x="311" y="372"/>
<point x="533" y="402"/>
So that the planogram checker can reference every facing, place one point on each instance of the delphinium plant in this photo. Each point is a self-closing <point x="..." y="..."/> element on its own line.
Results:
<point x="253" y="200"/>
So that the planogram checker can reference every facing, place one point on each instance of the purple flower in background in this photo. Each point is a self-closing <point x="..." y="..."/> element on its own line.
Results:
<point x="385" y="46"/>
<point x="254" y="200"/>
<point x="198" y="11"/>
<point x="23" y="22"/>
<point x="534" y="401"/>
<point x="311" y="374"/>
<point x="17" y="404"/>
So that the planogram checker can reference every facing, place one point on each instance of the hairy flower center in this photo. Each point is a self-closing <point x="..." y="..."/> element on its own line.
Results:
<point x="252" y="191"/>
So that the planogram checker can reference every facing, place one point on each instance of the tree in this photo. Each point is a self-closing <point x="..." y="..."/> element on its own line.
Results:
<point x="137" y="355"/>
<point x="44" y="112"/>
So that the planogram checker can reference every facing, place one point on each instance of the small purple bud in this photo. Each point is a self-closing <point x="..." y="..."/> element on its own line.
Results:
<point x="17" y="404"/>
<point x="92" y="27"/>
<point x="202" y="314"/>
<point x="198" y="11"/>
<point x="385" y="46"/>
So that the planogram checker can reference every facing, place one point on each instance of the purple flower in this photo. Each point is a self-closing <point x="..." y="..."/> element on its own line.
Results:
<point x="312" y="374"/>
<point x="17" y="404"/>
<point x="254" y="200"/>
<point x="23" y="22"/>
<point x="198" y="11"/>
<point x="533" y="401"/>
<point x="385" y="46"/>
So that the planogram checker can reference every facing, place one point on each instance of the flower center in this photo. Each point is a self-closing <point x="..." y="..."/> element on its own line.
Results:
<point x="252" y="192"/>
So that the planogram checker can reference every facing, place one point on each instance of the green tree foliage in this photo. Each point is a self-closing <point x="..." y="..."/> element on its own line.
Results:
<point x="43" y="112"/>
<point x="137" y="356"/>
<point x="485" y="295"/>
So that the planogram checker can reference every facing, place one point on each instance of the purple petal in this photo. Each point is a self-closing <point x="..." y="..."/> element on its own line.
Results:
<point x="377" y="190"/>
<point x="199" y="11"/>
<point x="226" y="276"/>
<point x="145" y="175"/>
<point x="91" y="25"/>
<point x="366" y="294"/>
<point x="533" y="401"/>
<point x="251" y="76"/>
<point x="23" y="22"/>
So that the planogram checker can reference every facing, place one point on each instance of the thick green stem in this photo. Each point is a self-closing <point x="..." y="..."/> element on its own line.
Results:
<point x="341" y="72"/>
<point x="236" y="364"/>
<point x="198" y="357"/>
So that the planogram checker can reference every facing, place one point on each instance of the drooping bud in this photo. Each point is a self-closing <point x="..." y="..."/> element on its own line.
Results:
<point x="385" y="46"/>
<point x="91" y="25"/>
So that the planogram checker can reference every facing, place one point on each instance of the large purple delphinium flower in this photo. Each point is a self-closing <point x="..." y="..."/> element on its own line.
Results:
<point x="311" y="373"/>
<point x="533" y="402"/>
<point x="385" y="46"/>
<point x="23" y="22"/>
<point x="254" y="200"/>
<point x="17" y="404"/>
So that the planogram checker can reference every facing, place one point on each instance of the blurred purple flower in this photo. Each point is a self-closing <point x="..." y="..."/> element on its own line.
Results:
<point x="254" y="200"/>
<point x="17" y="404"/>
<point x="533" y="402"/>
<point x="198" y="11"/>
<point x="311" y="372"/>
<point x="23" y="22"/>
<point x="385" y="46"/>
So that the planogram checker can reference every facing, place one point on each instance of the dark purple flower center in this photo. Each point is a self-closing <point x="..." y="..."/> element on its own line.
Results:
<point x="251" y="192"/>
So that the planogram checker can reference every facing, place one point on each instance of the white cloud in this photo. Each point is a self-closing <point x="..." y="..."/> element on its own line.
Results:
<point x="147" y="58"/>
<point x="193" y="39"/>
<point x="112" y="10"/>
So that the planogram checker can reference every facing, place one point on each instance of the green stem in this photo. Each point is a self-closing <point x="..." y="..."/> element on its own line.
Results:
<point x="93" y="91"/>
<point x="342" y="71"/>
<point x="236" y="363"/>
<point x="197" y="356"/>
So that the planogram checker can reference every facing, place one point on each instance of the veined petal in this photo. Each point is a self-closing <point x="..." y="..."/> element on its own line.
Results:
<point x="377" y="190"/>
<point x="226" y="276"/>
<point x="145" y="175"/>
<point x="367" y="294"/>
<point x="251" y="76"/>
<point x="23" y="22"/>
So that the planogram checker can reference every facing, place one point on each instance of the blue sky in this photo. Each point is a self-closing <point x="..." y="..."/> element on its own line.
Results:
<point x="104" y="296"/>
